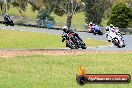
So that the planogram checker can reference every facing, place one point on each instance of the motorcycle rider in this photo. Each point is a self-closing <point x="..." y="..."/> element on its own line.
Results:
<point x="91" y="26"/>
<point x="112" y="29"/>
<point x="97" y="30"/>
<point x="108" y="30"/>
<point x="96" y="27"/>
<point x="7" y="18"/>
<point x="68" y="31"/>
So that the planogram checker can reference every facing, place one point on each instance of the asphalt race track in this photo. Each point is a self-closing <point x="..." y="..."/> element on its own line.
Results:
<point x="127" y="38"/>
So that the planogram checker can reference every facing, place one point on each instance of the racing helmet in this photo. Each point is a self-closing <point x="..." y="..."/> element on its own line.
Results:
<point x="111" y="25"/>
<point x="65" y="28"/>
<point x="107" y="28"/>
<point x="5" y="14"/>
<point x="91" y="23"/>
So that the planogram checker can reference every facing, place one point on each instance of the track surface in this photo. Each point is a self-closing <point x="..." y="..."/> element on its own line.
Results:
<point x="127" y="38"/>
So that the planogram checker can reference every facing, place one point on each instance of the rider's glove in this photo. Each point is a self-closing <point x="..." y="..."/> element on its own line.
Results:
<point x="63" y="39"/>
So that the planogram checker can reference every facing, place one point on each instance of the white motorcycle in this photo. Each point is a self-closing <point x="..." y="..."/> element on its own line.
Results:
<point x="116" y="39"/>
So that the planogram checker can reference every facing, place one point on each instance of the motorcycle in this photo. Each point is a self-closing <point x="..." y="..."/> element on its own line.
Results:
<point x="72" y="41"/>
<point x="90" y="29"/>
<point x="116" y="39"/>
<point x="97" y="30"/>
<point x="9" y="22"/>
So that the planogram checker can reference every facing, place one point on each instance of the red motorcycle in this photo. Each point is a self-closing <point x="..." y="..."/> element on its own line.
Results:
<point x="90" y="29"/>
<point x="72" y="41"/>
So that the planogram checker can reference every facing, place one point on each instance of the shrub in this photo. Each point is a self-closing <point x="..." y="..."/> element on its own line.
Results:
<point x="120" y="16"/>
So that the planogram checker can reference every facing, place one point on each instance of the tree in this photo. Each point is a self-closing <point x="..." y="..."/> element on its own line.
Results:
<point x="121" y="15"/>
<point x="4" y="4"/>
<point x="71" y="9"/>
<point x="94" y="10"/>
<point x="36" y="4"/>
<point x="61" y="7"/>
<point x="19" y="4"/>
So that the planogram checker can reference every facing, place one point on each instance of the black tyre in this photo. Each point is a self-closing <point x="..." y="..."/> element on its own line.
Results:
<point x="119" y="46"/>
<point x="81" y="80"/>
<point x="83" y="47"/>
<point x="94" y="33"/>
<point x="123" y="45"/>
<point x="115" y="41"/>
<point x="12" y="24"/>
<point x="100" y="33"/>
<point x="6" y="24"/>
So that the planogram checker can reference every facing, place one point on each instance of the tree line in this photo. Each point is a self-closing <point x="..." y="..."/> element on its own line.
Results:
<point x="95" y="10"/>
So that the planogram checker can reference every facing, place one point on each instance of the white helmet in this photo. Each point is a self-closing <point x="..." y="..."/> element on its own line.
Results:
<point x="6" y="14"/>
<point x="111" y="25"/>
<point x="107" y="28"/>
<point x="65" y="28"/>
<point x="90" y="23"/>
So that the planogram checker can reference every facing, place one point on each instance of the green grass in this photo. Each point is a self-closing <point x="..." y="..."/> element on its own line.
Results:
<point x="17" y="39"/>
<point x="27" y="13"/>
<point x="77" y="18"/>
<point x="95" y="43"/>
<point x="60" y="71"/>
<point x="13" y="11"/>
<point x="78" y="21"/>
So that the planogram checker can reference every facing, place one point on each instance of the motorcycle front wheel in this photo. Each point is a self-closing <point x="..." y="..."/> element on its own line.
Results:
<point x="83" y="47"/>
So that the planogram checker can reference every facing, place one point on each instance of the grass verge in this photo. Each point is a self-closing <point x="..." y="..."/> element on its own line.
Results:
<point x="49" y="71"/>
<point x="17" y="39"/>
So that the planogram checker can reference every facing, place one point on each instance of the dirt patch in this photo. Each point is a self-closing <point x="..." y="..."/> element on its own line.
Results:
<point x="14" y="53"/>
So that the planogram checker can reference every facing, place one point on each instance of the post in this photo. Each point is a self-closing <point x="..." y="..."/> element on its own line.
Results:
<point x="70" y="13"/>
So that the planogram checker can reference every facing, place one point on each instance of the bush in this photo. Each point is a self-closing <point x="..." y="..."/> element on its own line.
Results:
<point x="120" y="16"/>
<point x="94" y="10"/>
